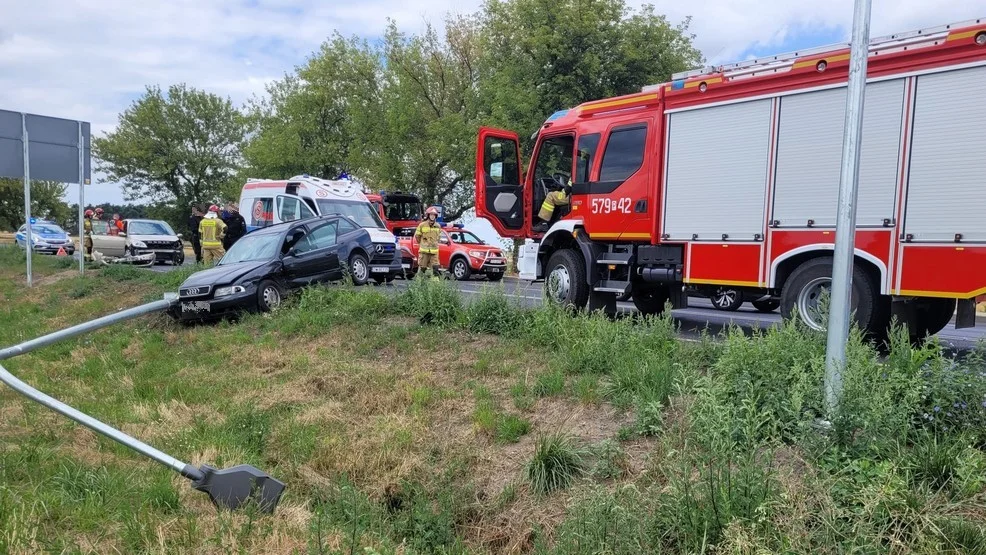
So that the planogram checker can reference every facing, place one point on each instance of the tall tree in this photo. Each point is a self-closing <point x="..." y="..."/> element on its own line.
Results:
<point x="320" y="119"/>
<point x="178" y="148"/>
<point x="431" y="99"/>
<point x="547" y="55"/>
<point x="46" y="202"/>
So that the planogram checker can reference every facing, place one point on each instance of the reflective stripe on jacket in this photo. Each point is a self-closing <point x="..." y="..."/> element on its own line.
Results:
<point x="427" y="237"/>
<point x="211" y="231"/>
<point x="554" y="198"/>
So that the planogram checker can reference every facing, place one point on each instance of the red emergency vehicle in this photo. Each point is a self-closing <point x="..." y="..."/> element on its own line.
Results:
<point x="461" y="252"/>
<point x="729" y="177"/>
<point x="399" y="211"/>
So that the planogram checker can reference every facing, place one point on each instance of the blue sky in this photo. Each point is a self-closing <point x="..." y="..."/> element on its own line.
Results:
<point x="90" y="60"/>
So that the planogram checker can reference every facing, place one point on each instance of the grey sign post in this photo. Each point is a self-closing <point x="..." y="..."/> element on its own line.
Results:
<point x="47" y="148"/>
<point x="845" y="230"/>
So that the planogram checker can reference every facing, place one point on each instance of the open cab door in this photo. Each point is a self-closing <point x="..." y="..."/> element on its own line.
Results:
<point x="499" y="185"/>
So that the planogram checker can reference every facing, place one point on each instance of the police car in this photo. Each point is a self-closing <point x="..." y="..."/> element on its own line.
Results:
<point x="47" y="237"/>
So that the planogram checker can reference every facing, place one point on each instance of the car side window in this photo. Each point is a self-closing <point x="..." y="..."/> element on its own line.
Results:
<point x="297" y="240"/>
<point x="444" y="239"/>
<point x="345" y="226"/>
<point x="324" y="236"/>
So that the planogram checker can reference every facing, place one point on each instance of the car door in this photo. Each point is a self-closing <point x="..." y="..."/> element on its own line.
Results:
<point x="325" y="244"/>
<point x="297" y="259"/>
<point x="444" y="249"/>
<point x="102" y="241"/>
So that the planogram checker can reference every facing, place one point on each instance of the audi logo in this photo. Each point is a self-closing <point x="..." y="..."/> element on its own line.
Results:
<point x="194" y="291"/>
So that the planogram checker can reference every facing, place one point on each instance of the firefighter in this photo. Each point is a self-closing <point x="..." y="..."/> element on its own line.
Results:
<point x="235" y="225"/>
<point x="211" y="232"/>
<point x="558" y="196"/>
<point x="87" y="230"/>
<point x="193" y="224"/>
<point x="427" y="236"/>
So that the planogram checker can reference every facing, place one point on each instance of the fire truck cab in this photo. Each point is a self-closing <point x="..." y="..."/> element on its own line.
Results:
<point x="729" y="176"/>
<point x="399" y="211"/>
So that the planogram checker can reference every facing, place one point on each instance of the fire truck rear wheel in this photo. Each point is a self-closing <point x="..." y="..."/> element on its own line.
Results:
<point x="564" y="279"/>
<point x="812" y="280"/>
<point x="649" y="299"/>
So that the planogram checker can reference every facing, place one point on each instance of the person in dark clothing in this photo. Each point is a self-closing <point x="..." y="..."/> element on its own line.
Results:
<point x="235" y="225"/>
<point x="193" y="224"/>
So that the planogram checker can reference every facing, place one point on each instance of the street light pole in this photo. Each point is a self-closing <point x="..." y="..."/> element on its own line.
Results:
<point x="845" y="231"/>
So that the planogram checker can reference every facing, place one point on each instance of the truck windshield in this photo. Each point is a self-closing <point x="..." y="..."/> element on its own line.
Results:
<point x="252" y="247"/>
<point x="361" y="212"/>
<point x="398" y="211"/>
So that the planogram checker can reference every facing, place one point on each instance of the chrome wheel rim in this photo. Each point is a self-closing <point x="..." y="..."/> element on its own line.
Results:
<point x="559" y="284"/>
<point x="359" y="269"/>
<point x="808" y="303"/>
<point x="460" y="269"/>
<point x="272" y="297"/>
<point x="724" y="298"/>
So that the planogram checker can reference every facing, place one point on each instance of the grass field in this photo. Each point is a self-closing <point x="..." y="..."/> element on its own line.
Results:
<point x="421" y="424"/>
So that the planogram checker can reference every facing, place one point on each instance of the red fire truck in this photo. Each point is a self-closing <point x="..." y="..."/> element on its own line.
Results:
<point x="401" y="212"/>
<point x="729" y="176"/>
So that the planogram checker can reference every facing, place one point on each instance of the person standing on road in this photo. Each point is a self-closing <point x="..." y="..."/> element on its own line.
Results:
<point x="87" y="230"/>
<point x="427" y="236"/>
<point x="193" y="225"/>
<point x="235" y="225"/>
<point x="211" y="232"/>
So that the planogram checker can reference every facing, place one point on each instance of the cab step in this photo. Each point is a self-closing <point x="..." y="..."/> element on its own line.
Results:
<point x="614" y="258"/>
<point x="612" y="286"/>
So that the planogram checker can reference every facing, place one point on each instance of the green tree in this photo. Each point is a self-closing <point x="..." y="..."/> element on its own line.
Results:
<point x="320" y="119"/>
<point x="177" y="148"/>
<point x="432" y="110"/>
<point x="46" y="202"/>
<point x="541" y="56"/>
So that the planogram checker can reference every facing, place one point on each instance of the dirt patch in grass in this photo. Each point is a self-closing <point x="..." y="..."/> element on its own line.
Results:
<point x="502" y="465"/>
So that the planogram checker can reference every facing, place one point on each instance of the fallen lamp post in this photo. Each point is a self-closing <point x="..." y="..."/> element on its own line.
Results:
<point x="229" y="488"/>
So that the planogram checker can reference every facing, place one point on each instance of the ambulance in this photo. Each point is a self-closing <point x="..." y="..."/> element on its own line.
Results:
<point x="268" y="202"/>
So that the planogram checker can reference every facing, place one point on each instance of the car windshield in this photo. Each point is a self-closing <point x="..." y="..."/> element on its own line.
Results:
<point x="46" y="229"/>
<point x="361" y="212"/>
<point x="149" y="228"/>
<point x="251" y="247"/>
<point x="466" y="238"/>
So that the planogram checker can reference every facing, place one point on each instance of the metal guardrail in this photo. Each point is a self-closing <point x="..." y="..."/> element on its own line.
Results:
<point x="230" y="488"/>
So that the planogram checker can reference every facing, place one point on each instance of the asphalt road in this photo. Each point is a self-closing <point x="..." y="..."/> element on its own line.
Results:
<point x="693" y="320"/>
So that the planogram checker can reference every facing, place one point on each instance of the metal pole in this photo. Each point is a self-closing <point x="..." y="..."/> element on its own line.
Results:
<point x="29" y="237"/>
<point x="82" y="248"/>
<point x="845" y="231"/>
<point x="54" y="404"/>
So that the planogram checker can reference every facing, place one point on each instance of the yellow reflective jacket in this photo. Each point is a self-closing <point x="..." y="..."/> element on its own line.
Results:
<point x="87" y="226"/>
<point x="554" y="198"/>
<point x="427" y="236"/>
<point x="211" y="232"/>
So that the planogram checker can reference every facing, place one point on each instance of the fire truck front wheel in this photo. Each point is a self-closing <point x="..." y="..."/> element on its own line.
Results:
<point x="564" y="280"/>
<point x="807" y="292"/>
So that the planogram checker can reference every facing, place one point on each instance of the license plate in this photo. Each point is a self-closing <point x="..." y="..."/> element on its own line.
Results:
<point x="495" y="270"/>
<point x="379" y="269"/>
<point x="195" y="306"/>
<point x="406" y="266"/>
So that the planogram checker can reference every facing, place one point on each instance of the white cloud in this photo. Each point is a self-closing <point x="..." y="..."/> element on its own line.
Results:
<point x="89" y="60"/>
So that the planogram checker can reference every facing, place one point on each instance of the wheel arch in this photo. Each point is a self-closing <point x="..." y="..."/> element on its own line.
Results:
<point x="782" y="268"/>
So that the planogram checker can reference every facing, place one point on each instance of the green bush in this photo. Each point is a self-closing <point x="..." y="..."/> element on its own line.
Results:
<point x="432" y="302"/>
<point x="557" y="461"/>
<point x="492" y="313"/>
